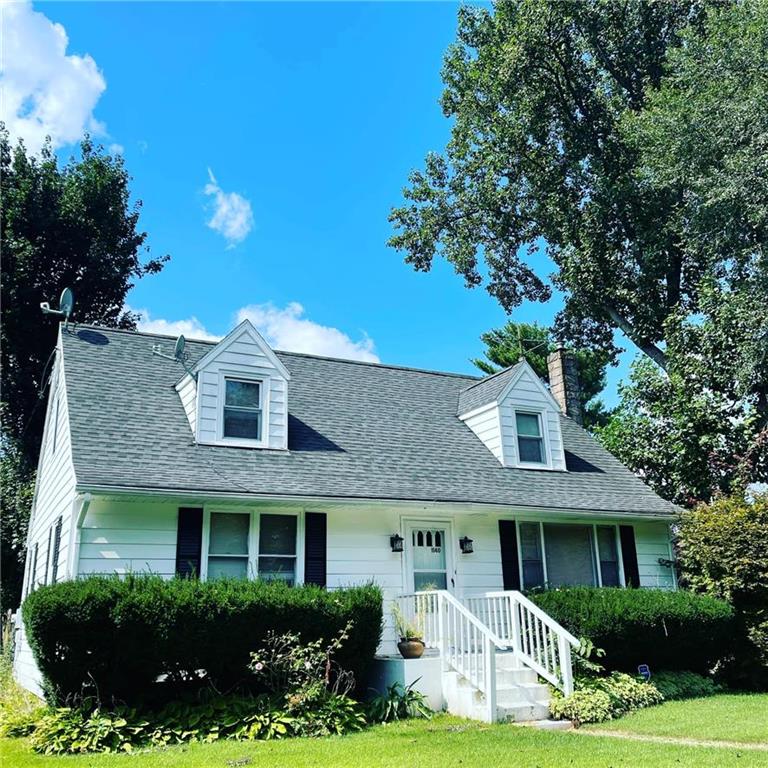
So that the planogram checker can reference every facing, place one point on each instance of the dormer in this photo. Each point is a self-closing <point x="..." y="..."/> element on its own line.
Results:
<point x="237" y="393"/>
<point x="514" y="414"/>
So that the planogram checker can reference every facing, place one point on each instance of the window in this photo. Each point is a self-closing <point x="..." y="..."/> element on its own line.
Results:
<point x="277" y="548"/>
<point x="609" y="555"/>
<point x="242" y="409"/>
<point x="228" y="545"/>
<point x="570" y="554"/>
<point x="567" y="554"/>
<point x="241" y="544"/>
<point x="530" y="443"/>
<point x="531" y="555"/>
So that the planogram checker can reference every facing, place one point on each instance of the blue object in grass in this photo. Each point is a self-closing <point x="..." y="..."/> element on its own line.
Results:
<point x="644" y="671"/>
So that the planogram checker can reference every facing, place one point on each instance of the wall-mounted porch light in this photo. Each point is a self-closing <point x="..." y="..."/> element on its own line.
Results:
<point x="396" y="542"/>
<point x="465" y="543"/>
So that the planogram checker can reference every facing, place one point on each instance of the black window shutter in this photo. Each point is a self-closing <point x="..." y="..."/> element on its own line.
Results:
<point x="56" y="548"/>
<point x="629" y="555"/>
<point x="189" y="541"/>
<point x="510" y="562"/>
<point x="315" y="537"/>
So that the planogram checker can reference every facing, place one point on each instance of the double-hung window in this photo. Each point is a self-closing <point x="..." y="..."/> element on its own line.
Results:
<point x="530" y="441"/>
<point x="249" y="544"/>
<point x="242" y="409"/>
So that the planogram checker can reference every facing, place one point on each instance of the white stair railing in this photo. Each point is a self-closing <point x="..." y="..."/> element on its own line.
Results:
<point x="535" y="637"/>
<point x="465" y="643"/>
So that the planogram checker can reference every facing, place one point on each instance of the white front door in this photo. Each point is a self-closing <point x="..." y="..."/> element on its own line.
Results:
<point x="428" y="556"/>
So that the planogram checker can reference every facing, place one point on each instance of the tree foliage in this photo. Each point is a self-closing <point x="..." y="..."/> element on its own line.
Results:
<point x="70" y="224"/>
<point x="533" y="342"/>
<point x="538" y="92"/>
<point x="723" y="552"/>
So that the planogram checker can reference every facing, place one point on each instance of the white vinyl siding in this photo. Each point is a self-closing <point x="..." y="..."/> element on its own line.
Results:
<point x="485" y="424"/>
<point x="187" y="389"/>
<point x="653" y="542"/>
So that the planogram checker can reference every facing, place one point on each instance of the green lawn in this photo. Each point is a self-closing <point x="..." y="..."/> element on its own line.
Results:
<point x="440" y="743"/>
<point x="727" y="717"/>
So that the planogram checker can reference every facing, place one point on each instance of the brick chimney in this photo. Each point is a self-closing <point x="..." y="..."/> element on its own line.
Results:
<point x="564" y="382"/>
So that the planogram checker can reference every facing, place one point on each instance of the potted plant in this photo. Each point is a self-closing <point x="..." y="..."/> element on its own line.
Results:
<point x="411" y="644"/>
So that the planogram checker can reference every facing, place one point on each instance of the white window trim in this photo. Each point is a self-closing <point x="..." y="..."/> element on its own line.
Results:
<point x="241" y="442"/>
<point x="541" y="414"/>
<point x="595" y="547"/>
<point x="253" y="538"/>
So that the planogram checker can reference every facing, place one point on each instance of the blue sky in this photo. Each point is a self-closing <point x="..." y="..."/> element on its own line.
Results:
<point x="291" y="129"/>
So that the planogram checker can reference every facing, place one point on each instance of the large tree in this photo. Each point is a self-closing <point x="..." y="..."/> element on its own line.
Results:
<point x="62" y="225"/>
<point x="533" y="342"/>
<point x="702" y="429"/>
<point x="538" y="92"/>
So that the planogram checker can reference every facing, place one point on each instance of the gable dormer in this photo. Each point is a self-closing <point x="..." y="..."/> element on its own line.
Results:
<point x="237" y="393"/>
<point x="516" y="417"/>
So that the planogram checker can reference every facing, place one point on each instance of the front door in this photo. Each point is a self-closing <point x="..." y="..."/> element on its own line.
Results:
<point x="428" y="556"/>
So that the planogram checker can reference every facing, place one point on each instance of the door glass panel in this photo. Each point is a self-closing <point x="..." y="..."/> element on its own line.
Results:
<point x="530" y="546"/>
<point x="429" y="562"/>
<point x="570" y="555"/>
<point x="229" y="533"/>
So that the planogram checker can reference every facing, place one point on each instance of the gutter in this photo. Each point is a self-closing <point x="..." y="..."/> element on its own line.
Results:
<point x="456" y="506"/>
<point x="84" y="500"/>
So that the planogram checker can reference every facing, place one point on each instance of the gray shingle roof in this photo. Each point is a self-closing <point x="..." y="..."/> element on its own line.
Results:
<point x="485" y="391"/>
<point x="356" y="430"/>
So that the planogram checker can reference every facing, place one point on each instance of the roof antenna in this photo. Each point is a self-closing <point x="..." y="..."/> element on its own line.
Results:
<point x="66" y="302"/>
<point x="179" y="355"/>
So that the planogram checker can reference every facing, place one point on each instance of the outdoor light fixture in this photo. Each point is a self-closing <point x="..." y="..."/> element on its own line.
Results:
<point x="396" y="542"/>
<point x="466" y="545"/>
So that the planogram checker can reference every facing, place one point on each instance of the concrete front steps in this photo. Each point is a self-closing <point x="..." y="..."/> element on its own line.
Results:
<point x="520" y="697"/>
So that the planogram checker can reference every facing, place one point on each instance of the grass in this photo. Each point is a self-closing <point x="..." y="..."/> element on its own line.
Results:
<point x="731" y="717"/>
<point x="440" y="743"/>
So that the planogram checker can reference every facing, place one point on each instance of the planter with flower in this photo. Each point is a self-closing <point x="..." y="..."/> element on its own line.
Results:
<point x="410" y="633"/>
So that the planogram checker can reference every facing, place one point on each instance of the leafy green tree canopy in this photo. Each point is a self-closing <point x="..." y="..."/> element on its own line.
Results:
<point x="505" y="346"/>
<point x="539" y="92"/>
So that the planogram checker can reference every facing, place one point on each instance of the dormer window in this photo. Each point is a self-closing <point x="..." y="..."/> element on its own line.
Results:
<point x="242" y="409"/>
<point x="530" y="442"/>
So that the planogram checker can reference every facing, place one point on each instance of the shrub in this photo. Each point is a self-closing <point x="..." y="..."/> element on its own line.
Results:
<point x="684" y="685"/>
<point x="597" y="699"/>
<point x="398" y="702"/>
<point x="19" y="709"/>
<point x="113" y="638"/>
<point x="664" y="629"/>
<point x="723" y="552"/>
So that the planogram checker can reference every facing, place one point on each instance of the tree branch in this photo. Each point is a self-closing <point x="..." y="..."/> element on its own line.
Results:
<point x="649" y="349"/>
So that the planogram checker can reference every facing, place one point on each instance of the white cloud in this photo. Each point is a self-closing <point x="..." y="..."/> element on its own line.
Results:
<point x="287" y="329"/>
<point x="283" y="328"/>
<point x="116" y="149"/>
<point x="192" y="328"/>
<point x="232" y="215"/>
<point x="44" y="90"/>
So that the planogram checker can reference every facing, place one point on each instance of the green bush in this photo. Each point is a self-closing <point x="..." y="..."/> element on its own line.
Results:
<point x="113" y="638"/>
<point x="723" y="552"/>
<point x="19" y="709"/>
<point x="684" y="685"/>
<point x="664" y="629"/>
<point x="597" y="699"/>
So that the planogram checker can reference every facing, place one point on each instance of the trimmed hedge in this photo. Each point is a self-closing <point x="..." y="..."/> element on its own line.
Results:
<point x="666" y="630"/>
<point x="113" y="638"/>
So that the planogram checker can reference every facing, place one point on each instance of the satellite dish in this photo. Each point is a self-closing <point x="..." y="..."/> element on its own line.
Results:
<point x="66" y="302"/>
<point x="178" y="350"/>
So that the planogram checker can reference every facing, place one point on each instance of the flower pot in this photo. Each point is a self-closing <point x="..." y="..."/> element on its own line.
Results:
<point x="410" y="649"/>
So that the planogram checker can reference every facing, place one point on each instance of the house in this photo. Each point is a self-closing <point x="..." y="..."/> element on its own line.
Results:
<point x="239" y="460"/>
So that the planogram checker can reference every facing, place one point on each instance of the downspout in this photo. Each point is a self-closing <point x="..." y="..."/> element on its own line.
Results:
<point x="75" y="534"/>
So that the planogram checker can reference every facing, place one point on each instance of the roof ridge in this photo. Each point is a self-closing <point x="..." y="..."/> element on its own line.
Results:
<point x="492" y="376"/>
<point x="391" y="366"/>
